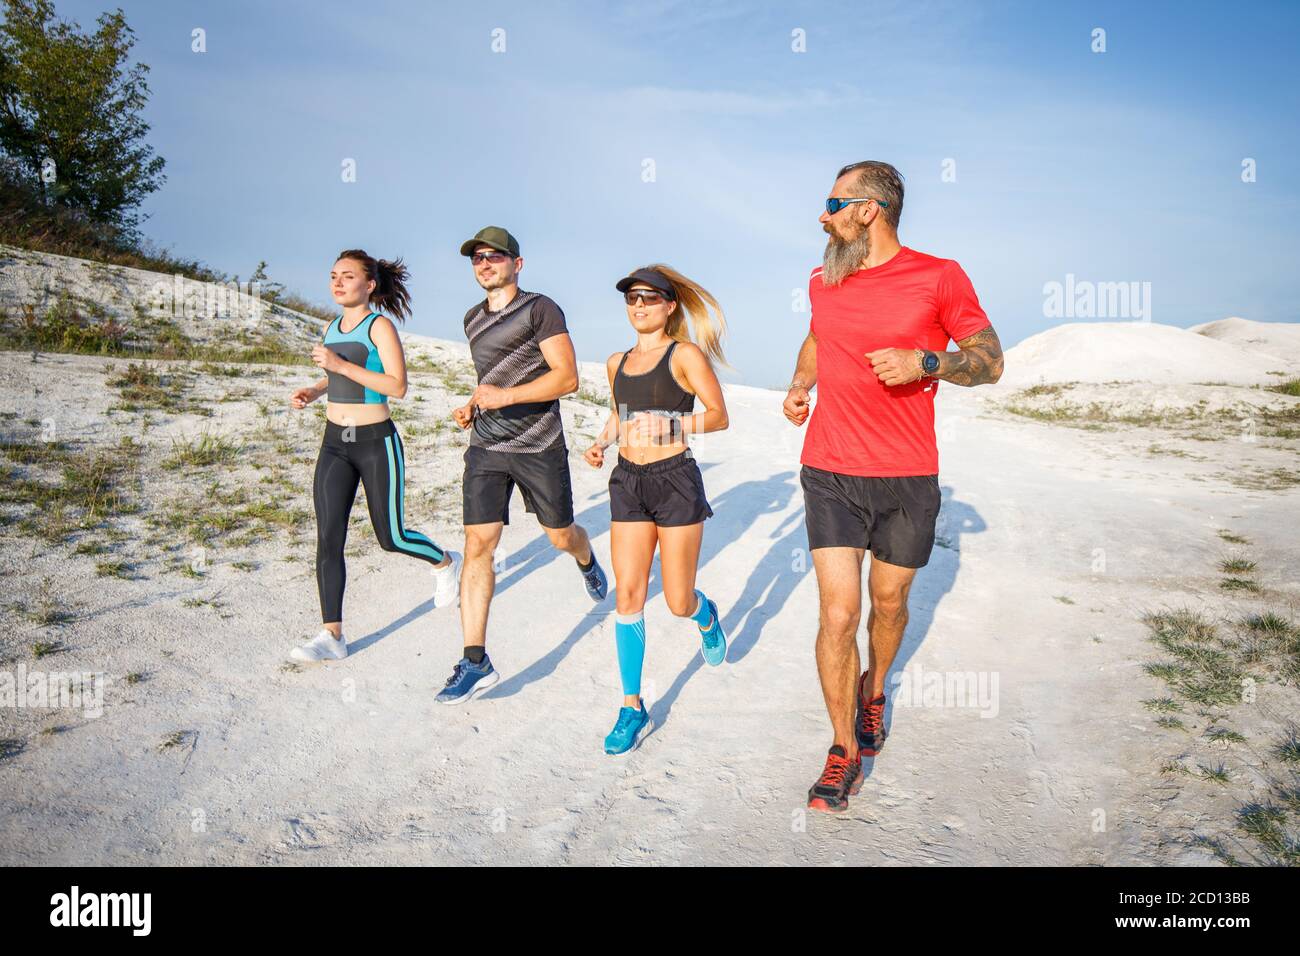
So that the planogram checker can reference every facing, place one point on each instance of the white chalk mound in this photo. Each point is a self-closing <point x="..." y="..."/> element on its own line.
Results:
<point x="1275" y="338"/>
<point x="208" y="313"/>
<point x="1137" y="352"/>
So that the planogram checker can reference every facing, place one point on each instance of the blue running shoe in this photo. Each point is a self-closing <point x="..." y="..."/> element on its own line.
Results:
<point x="594" y="578"/>
<point x="467" y="680"/>
<point x="713" y="642"/>
<point x="633" y="724"/>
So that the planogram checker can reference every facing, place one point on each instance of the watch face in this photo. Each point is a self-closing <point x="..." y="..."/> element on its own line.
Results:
<point x="931" y="362"/>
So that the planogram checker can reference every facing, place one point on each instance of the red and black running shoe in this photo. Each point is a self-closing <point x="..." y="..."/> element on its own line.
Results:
<point x="869" y="724"/>
<point x="841" y="779"/>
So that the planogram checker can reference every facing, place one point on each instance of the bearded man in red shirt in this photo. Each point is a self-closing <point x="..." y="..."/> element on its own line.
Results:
<point x="882" y="316"/>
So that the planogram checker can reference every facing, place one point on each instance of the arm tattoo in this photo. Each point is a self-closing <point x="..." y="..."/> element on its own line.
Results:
<point x="979" y="361"/>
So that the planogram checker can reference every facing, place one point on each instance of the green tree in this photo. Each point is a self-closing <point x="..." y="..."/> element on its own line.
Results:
<point x="70" y="104"/>
<point x="269" y="289"/>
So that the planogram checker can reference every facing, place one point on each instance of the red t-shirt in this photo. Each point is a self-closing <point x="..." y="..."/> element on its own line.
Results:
<point x="860" y="426"/>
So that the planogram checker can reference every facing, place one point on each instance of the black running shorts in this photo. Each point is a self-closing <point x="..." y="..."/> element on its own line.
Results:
<point x="893" y="518"/>
<point x="669" y="492"/>
<point x="542" y="477"/>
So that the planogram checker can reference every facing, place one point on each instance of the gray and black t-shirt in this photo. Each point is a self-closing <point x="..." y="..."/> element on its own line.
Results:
<point x="506" y="350"/>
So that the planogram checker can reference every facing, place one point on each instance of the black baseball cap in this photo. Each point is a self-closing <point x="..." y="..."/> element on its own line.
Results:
<point x="654" y="279"/>
<point x="494" y="236"/>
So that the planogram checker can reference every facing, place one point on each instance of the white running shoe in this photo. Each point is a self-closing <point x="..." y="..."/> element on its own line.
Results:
<point x="446" y="586"/>
<point x="323" y="647"/>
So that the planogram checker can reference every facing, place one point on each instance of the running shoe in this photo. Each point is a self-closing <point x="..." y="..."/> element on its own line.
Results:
<point x="594" y="578"/>
<point x="468" y="680"/>
<point x="446" y="583"/>
<point x="841" y="779"/>
<point x="632" y="725"/>
<point x="869" y="724"/>
<point x="323" y="647"/>
<point x="713" y="640"/>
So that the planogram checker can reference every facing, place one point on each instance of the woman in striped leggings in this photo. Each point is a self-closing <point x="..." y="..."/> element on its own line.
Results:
<point x="362" y="358"/>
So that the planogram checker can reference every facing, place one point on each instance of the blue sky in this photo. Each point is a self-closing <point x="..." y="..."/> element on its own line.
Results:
<point x="1122" y="166"/>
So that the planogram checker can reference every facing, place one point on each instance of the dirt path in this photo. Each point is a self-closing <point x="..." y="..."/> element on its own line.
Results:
<point x="1055" y="762"/>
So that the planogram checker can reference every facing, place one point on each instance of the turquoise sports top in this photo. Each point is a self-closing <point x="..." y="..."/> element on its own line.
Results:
<point x="358" y="348"/>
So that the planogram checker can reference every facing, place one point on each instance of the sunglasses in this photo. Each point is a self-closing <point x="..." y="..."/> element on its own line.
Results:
<point x="496" y="258"/>
<point x="835" y="205"/>
<point x="646" y="296"/>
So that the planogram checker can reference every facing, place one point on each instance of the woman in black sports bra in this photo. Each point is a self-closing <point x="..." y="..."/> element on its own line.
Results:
<point x="656" y="493"/>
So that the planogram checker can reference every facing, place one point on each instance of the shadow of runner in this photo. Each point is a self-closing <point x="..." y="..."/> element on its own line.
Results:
<point x="545" y="665"/>
<point x="374" y="637"/>
<point x="768" y="588"/>
<point x="772" y="575"/>
<point x="535" y="555"/>
<point x="539" y="552"/>
<point x="956" y="518"/>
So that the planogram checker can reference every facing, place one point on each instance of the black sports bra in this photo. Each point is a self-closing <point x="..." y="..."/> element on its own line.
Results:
<point x="652" y="391"/>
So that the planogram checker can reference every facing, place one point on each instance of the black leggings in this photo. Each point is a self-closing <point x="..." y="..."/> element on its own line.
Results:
<point x="371" y="454"/>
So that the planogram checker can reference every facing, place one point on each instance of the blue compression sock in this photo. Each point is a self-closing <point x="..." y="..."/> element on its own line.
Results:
<point x="629" y="636"/>
<point x="702" y="615"/>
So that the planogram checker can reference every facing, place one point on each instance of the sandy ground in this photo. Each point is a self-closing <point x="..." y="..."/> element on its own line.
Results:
<point x="1053" y="542"/>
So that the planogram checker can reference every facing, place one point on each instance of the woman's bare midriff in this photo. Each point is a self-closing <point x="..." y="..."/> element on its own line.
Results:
<point x="645" y="455"/>
<point x="356" y="413"/>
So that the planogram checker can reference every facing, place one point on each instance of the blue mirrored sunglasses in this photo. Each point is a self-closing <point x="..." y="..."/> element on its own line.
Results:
<point x="835" y="205"/>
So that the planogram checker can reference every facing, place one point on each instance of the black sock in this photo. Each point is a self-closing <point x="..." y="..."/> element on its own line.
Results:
<point x="476" y="653"/>
<point x="591" y="559"/>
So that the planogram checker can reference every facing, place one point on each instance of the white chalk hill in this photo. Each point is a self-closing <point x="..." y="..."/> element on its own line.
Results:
<point x="1277" y="338"/>
<point x="137" y="299"/>
<point x="1149" y="352"/>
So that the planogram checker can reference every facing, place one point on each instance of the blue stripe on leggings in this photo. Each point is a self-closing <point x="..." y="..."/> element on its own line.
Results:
<point x="412" y="536"/>
<point x="411" y="542"/>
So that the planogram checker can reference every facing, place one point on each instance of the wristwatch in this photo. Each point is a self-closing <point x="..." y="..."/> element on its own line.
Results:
<point x="929" y="361"/>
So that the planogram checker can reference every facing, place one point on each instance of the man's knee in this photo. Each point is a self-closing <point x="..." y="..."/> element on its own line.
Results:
<point x="563" y="538"/>
<point x="479" y="546"/>
<point x="889" y="605"/>
<point x="841" y="620"/>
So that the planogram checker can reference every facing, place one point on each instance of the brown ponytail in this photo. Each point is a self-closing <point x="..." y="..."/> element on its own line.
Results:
<point x="391" y="295"/>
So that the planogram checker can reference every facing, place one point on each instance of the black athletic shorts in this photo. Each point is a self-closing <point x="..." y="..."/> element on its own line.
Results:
<point x="669" y="492"/>
<point x="542" y="476"/>
<point x="893" y="518"/>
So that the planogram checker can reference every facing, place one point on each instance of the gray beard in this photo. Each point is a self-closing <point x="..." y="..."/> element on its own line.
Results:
<point x="842" y="259"/>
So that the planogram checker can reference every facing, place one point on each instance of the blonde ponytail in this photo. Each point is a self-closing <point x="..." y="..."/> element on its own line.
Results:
<point x="694" y="302"/>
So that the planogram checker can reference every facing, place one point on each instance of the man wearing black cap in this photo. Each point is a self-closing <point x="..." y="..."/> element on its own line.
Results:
<point x="525" y="362"/>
